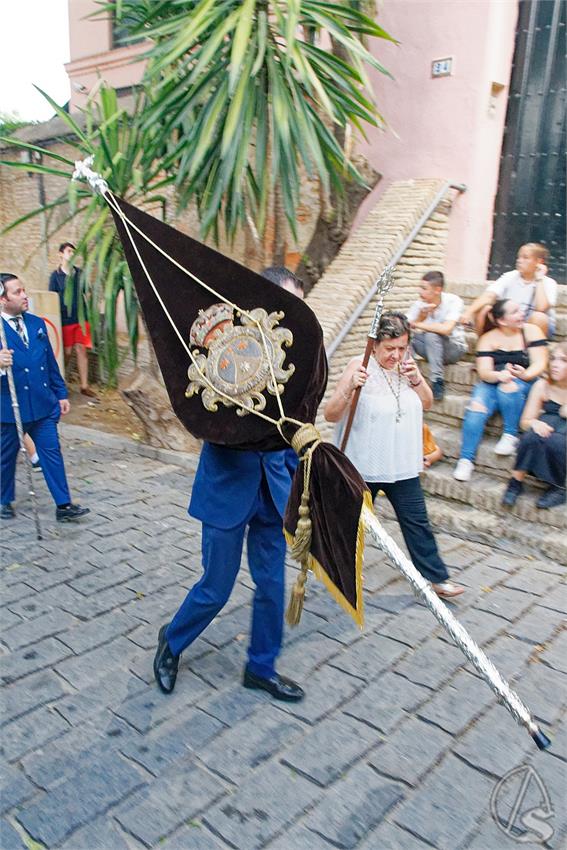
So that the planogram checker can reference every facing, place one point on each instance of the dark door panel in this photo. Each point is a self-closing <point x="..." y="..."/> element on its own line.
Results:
<point x="531" y="200"/>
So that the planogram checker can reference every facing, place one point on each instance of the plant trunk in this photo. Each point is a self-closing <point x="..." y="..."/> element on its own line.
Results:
<point x="254" y="249"/>
<point x="334" y="225"/>
<point x="336" y="216"/>
<point x="149" y="400"/>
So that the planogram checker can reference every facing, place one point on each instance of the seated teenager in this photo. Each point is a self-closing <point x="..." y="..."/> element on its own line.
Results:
<point x="509" y="358"/>
<point x="528" y="285"/>
<point x="543" y="446"/>
<point x="437" y="334"/>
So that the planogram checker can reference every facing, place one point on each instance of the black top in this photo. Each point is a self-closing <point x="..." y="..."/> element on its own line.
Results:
<point x="519" y="357"/>
<point x="550" y="414"/>
<point x="57" y="284"/>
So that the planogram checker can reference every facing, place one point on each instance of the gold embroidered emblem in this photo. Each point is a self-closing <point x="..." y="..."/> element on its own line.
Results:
<point x="237" y="363"/>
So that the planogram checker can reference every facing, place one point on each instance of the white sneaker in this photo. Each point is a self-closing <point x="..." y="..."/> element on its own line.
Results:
<point x="506" y="445"/>
<point x="463" y="470"/>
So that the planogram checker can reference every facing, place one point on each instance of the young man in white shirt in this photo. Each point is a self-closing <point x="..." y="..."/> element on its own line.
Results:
<point x="437" y="334"/>
<point x="529" y="286"/>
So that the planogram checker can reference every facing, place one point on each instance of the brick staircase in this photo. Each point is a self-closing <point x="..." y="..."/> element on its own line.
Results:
<point x="370" y="249"/>
<point x="472" y="509"/>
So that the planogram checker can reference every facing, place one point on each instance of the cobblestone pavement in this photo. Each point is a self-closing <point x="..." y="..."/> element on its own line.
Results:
<point x="397" y="746"/>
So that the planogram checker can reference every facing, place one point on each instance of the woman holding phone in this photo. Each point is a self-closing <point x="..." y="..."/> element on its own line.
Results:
<point x="386" y="440"/>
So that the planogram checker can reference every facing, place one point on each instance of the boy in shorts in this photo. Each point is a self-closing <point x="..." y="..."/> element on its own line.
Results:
<point x="75" y="335"/>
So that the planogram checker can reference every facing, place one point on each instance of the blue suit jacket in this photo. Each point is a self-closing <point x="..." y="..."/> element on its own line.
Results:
<point x="227" y="483"/>
<point x="38" y="381"/>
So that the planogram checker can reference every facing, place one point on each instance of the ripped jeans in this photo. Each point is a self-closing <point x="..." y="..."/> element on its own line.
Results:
<point x="492" y="397"/>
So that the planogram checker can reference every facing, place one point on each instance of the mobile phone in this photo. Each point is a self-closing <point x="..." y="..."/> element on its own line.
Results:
<point x="406" y="359"/>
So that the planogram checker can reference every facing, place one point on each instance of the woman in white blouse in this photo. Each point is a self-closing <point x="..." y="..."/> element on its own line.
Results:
<point x="385" y="442"/>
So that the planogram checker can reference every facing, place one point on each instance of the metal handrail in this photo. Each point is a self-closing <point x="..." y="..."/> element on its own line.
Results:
<point x="347" y="327"/>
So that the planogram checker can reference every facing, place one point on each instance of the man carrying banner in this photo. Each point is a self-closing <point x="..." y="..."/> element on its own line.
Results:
<point x="235" y="491"/>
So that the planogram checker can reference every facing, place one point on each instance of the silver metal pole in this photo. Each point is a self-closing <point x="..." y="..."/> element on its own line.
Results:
<point x="458" y="633"/>
<point x="20" y="430"/>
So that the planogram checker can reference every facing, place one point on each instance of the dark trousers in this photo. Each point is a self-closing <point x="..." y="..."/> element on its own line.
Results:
<point x="221" y="552"/>
<point x="543" y="457"/>
<point x="44" y="434"/>
<point x="406" y="498"/>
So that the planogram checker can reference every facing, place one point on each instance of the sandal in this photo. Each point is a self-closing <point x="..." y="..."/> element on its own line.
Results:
<point x="446" y="590"/>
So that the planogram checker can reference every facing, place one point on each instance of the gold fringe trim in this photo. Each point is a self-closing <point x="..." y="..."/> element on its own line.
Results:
<point x="357" y="613"/>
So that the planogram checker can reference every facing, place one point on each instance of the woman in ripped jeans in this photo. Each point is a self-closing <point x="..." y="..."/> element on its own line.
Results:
<point x="509" y="357"/>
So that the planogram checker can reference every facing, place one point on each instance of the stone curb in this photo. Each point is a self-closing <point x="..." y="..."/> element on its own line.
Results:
<point x="113" y="441"/>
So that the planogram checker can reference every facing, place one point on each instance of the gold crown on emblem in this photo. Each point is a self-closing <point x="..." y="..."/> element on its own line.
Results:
<point x="208" y="321"/>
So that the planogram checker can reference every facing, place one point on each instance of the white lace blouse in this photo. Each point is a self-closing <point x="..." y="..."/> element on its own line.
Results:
<point x="381" y="448"/>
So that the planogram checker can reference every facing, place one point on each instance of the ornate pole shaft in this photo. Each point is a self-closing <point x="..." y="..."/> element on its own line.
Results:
<point x="506" y="696"/>
<point x="383" y="286"/>
<point x="20" y="430"/>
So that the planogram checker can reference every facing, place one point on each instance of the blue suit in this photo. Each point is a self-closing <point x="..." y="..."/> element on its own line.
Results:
<point x="39" y="388"/>
<point x="234" y="490"/>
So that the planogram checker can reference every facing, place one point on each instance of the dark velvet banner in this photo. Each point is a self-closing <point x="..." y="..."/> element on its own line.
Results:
<point x="336" y="489"/>
<point x="184" y="298"/>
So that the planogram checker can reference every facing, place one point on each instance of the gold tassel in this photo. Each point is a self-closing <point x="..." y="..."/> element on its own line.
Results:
<point x="302" y="537"/>
<point x="297" y="598"/>
<point x="300" y="543"/>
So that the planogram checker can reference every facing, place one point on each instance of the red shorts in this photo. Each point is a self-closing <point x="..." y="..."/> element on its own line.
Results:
<point x="74" y="333"/>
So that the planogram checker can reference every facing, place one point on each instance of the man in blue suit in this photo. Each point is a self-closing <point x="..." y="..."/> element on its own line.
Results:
<point x="234" y="491"/>
<point x="42" y="399"/>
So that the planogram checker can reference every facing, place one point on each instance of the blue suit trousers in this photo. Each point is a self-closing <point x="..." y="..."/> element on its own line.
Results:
<point x="221" y="553"/>
<point x="44" y="434"/>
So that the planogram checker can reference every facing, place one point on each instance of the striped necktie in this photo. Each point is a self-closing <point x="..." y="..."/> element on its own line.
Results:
<point x="20" y="330"/>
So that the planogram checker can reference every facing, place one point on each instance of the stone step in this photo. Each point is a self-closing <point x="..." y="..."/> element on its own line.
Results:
<point x="480" y="525"/>
<point x="488" y="463"/>
<point x="459" y="377"/>
<point x="484" y="492"/>
<point x="450" y="412"/>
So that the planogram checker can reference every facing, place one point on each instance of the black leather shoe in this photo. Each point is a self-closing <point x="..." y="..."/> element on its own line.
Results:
<point x="166" y="663"/>
<point x="70" y="513"/>
<point x="552" y="498"/>
<point x="7" y="512"/>
<point x="511" y="493"/>
<point x="278" y="686"/>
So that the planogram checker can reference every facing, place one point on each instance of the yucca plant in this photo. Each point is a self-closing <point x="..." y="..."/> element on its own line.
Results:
<point x="237" y="96"/>
<point x="241" y="93"/>
<point x="117" y="140"/>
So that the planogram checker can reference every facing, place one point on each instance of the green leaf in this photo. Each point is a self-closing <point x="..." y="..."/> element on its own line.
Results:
<point x="240" y="41"/>
<point x="310" y="76"/>
<point x="36" y="169"/>
<point x="38" y="211"/>
<point x="262" y="40"/>
<point x="209" y="126"/>
<point x="237" y="106"/>
<point x="70" y="122"/>
<point x="292" y="22"/>
<point x="196" y="23"/>
<point x="12" y="142"/>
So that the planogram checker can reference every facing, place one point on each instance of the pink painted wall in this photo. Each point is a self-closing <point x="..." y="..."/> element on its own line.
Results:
<point x="447" y="127"/>
<point x="92" y="56"/>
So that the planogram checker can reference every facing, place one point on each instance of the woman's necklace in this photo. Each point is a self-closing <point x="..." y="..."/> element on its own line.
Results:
<point x="395" y="391"/>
